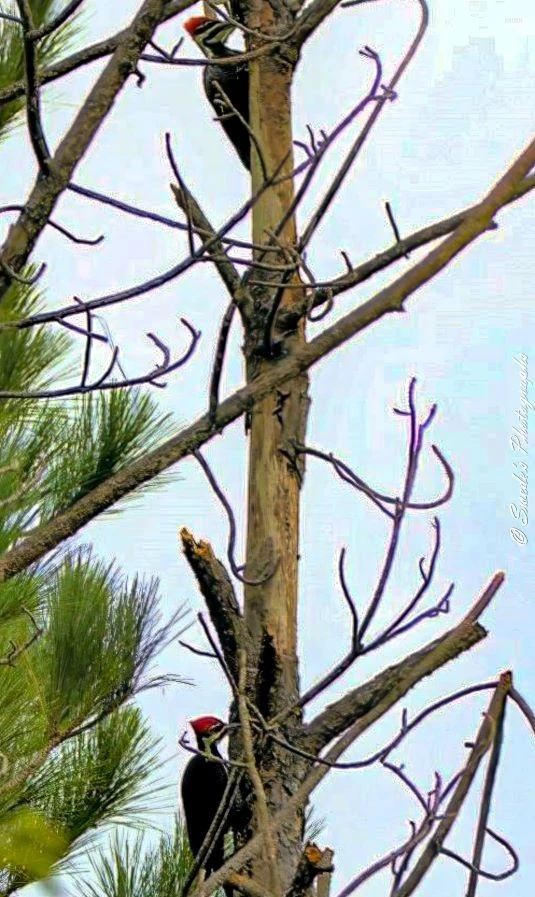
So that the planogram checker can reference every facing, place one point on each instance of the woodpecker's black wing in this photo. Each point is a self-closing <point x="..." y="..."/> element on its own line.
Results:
<point x="203" y="784"/>
<point x="234" y="79"/>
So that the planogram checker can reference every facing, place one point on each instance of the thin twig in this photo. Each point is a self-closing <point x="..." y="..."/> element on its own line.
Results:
<point x="84" y="241"/>
<point x="218" y="654"/>
<point x="484" y="739"/>
<point x="388" y="94"/>
<point x="396" y="628"/>
<point x="231" y="545"/>
<point x="355" y="643"/>
<point x="88" y="346"/>
<point x="524" y="707"/>
<point x="393" y="224"/>
<point x="484" y="807"/>
<point x="197" y="651"/>
<point x="33" y="100"/>
<point x="388" y="300"/>
<point x="231" y="110"/>
<point x="219" y="359"/>
<point x="102" y="383"/>
<point x="37" y="34"/>
<point x="477" y="871"/>
<point x="415" y="445"/>
<point x="15" y="651"/>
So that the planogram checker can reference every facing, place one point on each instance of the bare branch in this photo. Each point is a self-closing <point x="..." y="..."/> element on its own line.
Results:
<point x="419" y="238"/>
<point x="219" y="359"/>
<point x="102" y="383"/>
<point x="388" y="94"/>
<point x="87" y="55"/>
<point x="400" y="773"/>
<point x="349" y="601"/>
<point x="202" y="226"/>
<point x="397" y="680"/>
<point x="160" y="279"/>
<point x="396" y="627"/>
<point x="477" y="871"/>
<point x="383" y="752"/>
<point x="484" y="808"/>
<point x="379" y="498"/>
<point x="218" y="593"/>
<point x="33" y="101"/>
<point x="393" y="224"/>
<point x="222" y="663"/>
<point x="85" y="241"/>
<point x="148" y="215"/>
<point x="417" y="431"/>
<point x="376" y="706"/>
<point x="46" y="191"/>
<point x="524" y="707"/>
<point x="198" y="651"/>
<point x="88" y="349"/>
<point x="237" y="570"/>
<point x="68" y="10"/>
<point x="387" y="300"/>
<point x="484" y="739"/>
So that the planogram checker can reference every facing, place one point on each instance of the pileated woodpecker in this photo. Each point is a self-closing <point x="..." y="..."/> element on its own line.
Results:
<point x="203" y="784"/>
<point x="210" y="35"/>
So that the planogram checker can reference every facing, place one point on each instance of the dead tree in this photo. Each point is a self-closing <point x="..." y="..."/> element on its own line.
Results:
<point x="277" y="758"/>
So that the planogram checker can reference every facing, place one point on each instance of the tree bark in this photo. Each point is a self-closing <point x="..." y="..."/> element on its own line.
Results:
<point x="275" y="474"/>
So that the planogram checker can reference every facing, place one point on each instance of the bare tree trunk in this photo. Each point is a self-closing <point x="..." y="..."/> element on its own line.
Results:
<point x="277" y="423"/>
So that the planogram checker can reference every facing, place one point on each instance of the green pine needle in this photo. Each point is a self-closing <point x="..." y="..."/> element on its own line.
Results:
<point x="50" y="49"/>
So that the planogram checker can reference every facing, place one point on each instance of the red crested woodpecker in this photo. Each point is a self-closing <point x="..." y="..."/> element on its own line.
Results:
<point x="210" y="35"/>
<point x="203" y="784"/>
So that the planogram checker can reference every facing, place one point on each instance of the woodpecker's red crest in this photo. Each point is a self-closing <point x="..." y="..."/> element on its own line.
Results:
<point x="192" y="24"/>
<point x="205" y="724"/>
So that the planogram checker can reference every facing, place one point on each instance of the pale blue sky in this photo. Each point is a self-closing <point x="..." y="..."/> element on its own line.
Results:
<point x="464" y="109"/>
